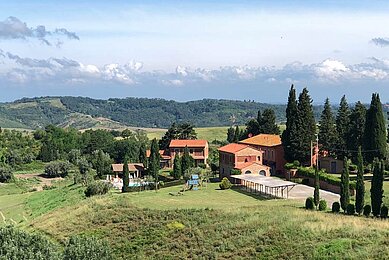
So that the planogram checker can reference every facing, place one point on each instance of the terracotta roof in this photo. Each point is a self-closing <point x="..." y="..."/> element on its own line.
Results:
<point x="162" y="153"/>
<point x="244" y="165"/>
<point x="118" y="167"/>
<point x="232" y="148"/>
<point x="189" y="143"/>
<point x="263" y="140"/>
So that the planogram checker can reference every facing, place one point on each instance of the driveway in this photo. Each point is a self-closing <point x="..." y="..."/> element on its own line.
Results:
<point x="301" y="192"/>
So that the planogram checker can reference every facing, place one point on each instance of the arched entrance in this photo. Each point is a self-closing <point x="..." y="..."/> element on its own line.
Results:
<point x="262" y="172"/>
<point x="247" y="172"/>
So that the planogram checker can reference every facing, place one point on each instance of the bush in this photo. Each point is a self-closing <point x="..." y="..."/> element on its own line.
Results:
<point x="57" y="169"/>
<point x="309" y="203"/>
<point x="294" y="165"/>
<point x="322" y="205"/>
<point x="235" y="172"/>
<point x="82" y="247"/>
<point x="352" y="167"/>
<point x="366" y="210"/>
<point x="225" y="184"/>
<point x="323" y="176"/>
<point x="97" y="188"/>
<point x="350" y="210"/>
<point x="48" y="187"/>
<point x="384" y="212"/>
<point x="335" y="207"/>
<point x="6" y="175"/>
<point x="202" y="165"/>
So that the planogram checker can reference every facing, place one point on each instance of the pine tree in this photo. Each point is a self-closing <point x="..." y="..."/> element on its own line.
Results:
<point x="375" y="131"/>
<point x="252" y="127"/>
<point x="327" y="130"/>
<point x="306" y="127"/>
<point x="186" y="161"/>
<point x="237" y="134"/>
<point x="357" y="128"/>
<point x="290" y="135"/>
<point x="342" y="128"/>
<point x="376" y="191"/>
<point x="268" y="124"/>
<point x="345" y="186"/>
<point x="142" y="155"/>
<point x="316" y="193"/>
<point x="259" y="121"/>
<point x="126" y="176"/>
<point x="154" y="161"/>
<point x="230" y="135"/>
<point x="360" y="187"/>
<point x="177" y="169"/>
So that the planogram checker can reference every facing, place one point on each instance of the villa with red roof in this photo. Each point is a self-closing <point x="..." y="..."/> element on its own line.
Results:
<point x="244" y="158"/>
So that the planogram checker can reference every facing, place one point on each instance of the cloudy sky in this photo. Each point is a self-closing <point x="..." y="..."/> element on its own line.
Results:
<point x="186" y="50"/>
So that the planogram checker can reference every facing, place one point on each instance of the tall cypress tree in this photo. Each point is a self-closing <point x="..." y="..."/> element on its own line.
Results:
<point x="231" y="135"/>
<point x="186" y="161"/>
<point x="142" y="155"/>
<point x="360" y="187"/>
<point x="154" y="161"/>
<point x="357" y="128"/>
<point x="237" y="134"/>
<point x="177" y="169"/>
<point x="268" y="124"/>
<point x="126" y="176"/>
<point x="316" y="193"/>
<point x="376" y="191"/>
<point x="259" y="120"/>
<point x="327" y="130"/>
<point x="290" y="135"/>
<point x="342" y="127"/>
<point x="375" y="131"/>
<point x="345" y="186"/>
<point x="306" y="127"/>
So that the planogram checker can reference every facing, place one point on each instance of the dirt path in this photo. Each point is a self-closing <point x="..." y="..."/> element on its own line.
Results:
<point x="43" y="181"/>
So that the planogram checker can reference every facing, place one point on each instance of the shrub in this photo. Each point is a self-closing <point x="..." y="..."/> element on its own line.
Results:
<point x="323" y="176"/>
<point x="82" y="247"/>
<point x="322" y="205"/>
<point x="97" y="188"/>
<point x="6" y="175"/>
<point x="294" y="165"/>
<point x="352" y="167"/>
<point x="57" y="169"/>
<point x="384" y="212"/>
<point x="309" y="203"/>
<point x="225" y="184"/>
<point x="350" y="210"/>
<point x="236" y="172"/>
<point x="335" y="207"/>
<point x="366" y="210"/>
<point x="202" y="165"/>
<point x="48" y="187"/>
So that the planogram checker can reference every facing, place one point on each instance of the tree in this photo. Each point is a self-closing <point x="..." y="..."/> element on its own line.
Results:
<point x="342" y="127"/>
<point x="180" y="131"/>
<point x="102" y="163"/>
<point x="177" y="169"/>
<point x="360" y="186"/>
<point x="267" y="123"/>
<point x="306" y="127"/>
<point x="237" y="135"/>
<point x="289" y="136"/>
<point x="345" y="186"/>
<point x="252" y="127"/>
<point x="375" y="131"/>
<point x="186" y="160"/>
<point x="230" y="134"/>
<point x="376" y="191"/>
<point x="142" y="155"/>
<point x="327" y="130"/>
<point x="154" y="162"/>
<point x="357" y="128"/>
<point x="316" y="193"/>
<point x="126" y="176"/>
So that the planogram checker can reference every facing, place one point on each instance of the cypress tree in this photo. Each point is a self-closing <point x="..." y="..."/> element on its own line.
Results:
<point x="342" y="127"/>
<point x="126" y="176"/>
<point x="259" y="121"/>
<point x="327" y="130"/>
<point x="376" y="191"/>
<point x="290" y="135"/>
<point x="360" y="187"/>
<point x="375" y="131"/>
<point x="268" y="124"/>
<point x="345" y="186"/>
<point x="357" y="128"/>
<point x="316" y="193"/>
<point x="177" y="169"/>
<point x="306" y="127"/>
<point x="142" y="158"/>
<point x="154" y="162"/>
<point x="186" y="161"/>
<point x="237" y="134"/>
<point x="230" y="135"/>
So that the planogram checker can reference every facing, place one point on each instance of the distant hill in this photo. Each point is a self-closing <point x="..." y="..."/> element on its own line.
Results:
<point x="82" y="113"/>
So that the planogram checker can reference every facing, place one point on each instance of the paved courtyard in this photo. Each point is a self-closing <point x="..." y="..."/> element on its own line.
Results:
<point x="301" y="192"/>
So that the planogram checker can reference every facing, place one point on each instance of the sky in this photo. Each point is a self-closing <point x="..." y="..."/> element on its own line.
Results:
<point x="189" y="50"/>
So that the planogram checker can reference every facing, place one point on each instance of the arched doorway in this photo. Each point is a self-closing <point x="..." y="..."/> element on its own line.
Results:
<point x="247" y="172"/>
<point x="262" y="172"/>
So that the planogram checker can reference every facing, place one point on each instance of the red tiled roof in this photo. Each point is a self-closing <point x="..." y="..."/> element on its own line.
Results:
<point x="263" y="140"/>
<point x="244" y="165"/>
<point x="118" y="167"/>
<point x="189" y="143"/>
<point x="232" y="148"/>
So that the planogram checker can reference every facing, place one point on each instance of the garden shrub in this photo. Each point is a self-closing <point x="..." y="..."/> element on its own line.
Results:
<point x="6" y="175"/>
<point x="83" y="247"/>
<point x="366" y="210"/>
<point x="352" y="167"/>
<point x="323" y="176"/>
<point x="225" y="184"/>
<point x="335" y="207"/>
<point x="350" y="210"/>
<point x="202" y="165"/>
<point x="384" y="212"/>
<point x="309" y="203"/>
<point x="322" y="205"/>
<point x="57" y="169"/>
<point x="235" y="172"/>
<point x="97" y="188"/>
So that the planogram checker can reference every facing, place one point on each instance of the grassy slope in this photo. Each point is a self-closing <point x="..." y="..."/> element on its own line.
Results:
<point x="211" y="223"/>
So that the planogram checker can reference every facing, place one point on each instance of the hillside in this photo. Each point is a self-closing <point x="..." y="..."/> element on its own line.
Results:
<point x="81" y="112"/>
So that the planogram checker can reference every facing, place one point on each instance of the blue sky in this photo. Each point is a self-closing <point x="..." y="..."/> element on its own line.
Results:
<point x="187" y="50"/>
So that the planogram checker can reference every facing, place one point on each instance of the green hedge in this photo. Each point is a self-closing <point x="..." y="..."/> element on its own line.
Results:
<point x="323" y="176"/>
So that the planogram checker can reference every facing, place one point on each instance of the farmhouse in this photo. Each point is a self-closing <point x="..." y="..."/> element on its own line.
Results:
<point x="165" y="160"/>
<point x="273" y="151"/>
<point x="243" y="158"/>
<point x="136" y="169"/>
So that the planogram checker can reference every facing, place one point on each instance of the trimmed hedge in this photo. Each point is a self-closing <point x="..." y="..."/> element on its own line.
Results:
<point x="335" y="207"/>
<point x="309" y="203"/>
<point x="366" y="210"/>
<point x="350" y="210"/>
<point x="322" y="205"/>
<point x="384" y="212"/>
<point x="225" y="184"/>
<point x="323" y="176"/>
